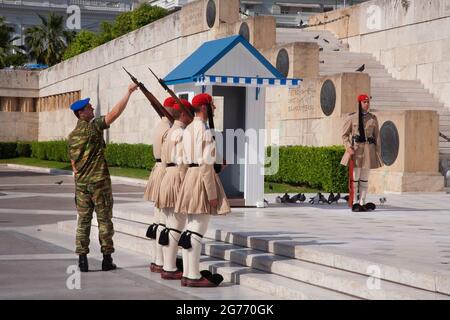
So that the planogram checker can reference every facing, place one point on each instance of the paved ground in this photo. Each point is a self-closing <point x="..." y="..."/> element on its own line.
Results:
<point x="409" y="231"/>
<point x="36" y="261"/>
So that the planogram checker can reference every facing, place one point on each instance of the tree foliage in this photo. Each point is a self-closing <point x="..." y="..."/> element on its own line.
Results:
<point x="10" y="54"/>
<point x="47" y="42"/>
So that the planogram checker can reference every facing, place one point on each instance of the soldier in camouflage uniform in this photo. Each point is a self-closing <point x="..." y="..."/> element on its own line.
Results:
<point x="92" y="180"/>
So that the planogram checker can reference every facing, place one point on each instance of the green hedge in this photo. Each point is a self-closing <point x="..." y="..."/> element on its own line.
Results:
<point x="50" y="150"/>
<point x="130" y="155"/>
<point x="117" y="154"/>
<point x="316" y="167"/>
<point x="8" y="150"/>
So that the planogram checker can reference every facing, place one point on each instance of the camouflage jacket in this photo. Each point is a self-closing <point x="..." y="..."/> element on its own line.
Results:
<point x="87" y="150"/>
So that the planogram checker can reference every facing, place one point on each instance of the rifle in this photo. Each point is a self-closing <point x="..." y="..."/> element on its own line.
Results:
<point x="160" y="110"/>
<point x="172" y="94"/>
<point x="217" y="166"/>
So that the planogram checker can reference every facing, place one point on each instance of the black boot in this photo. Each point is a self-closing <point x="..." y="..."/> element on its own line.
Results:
<point x="83" y="263"/>
<point x="107" y="263"/>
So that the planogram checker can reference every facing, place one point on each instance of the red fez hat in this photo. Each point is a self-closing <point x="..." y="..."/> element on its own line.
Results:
<point x="169" y="102"/>
<point x="185" y="103"/>
<point x="363" y="97"/>
<point x="201" y="99"/>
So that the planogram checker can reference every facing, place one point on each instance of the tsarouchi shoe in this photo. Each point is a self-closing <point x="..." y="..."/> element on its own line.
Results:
<point x="171" y="275"/>
<point x="202" y="282"/>
<point x="156" y="268"/>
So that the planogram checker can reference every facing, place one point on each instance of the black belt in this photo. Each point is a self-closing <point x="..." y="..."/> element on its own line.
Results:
<point x="157" y="160"/>
<point x="193" y="165"/>
<point x="170" y="165"/>
<point x="359" y="139"/>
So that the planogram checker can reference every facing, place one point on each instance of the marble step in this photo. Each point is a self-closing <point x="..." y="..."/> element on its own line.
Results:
<point x="404" y="98"/>
<point x="350" y="283"/>
<point x="394" y="83"/>
<point x="268" y="283"/>
<point x="391" y="91"/>
<point x="390" y="103"/>
<point x="411" y="275"/>
<point x="276" y="286"/>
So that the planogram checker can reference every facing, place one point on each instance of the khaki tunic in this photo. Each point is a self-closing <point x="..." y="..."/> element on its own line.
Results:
<point x="367" y="155"/>
<point x="201" y="183"/>
<point x="172" y="152"/>
<point x="157" y="173"/>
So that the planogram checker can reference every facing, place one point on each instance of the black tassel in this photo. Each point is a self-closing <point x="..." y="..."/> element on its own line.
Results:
<point x="164" y="237"/>
<point x="151" y="231"/>
<point x="185" y="240"/>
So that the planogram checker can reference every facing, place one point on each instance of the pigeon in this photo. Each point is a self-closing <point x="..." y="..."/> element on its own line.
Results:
<point x="346" y="198"/>
<point x="314" y="199"/>
<point x="322" y="198"/>
<point x="266" y="203"/>
<point x="302" y="198"/>
<point x="331" y="198"/>
<point x="317" y="37"/>
<point x="285" y="198"/>
<point x="297" y="197"/>
<point x="278" y="199"/>
<point x="336" y="198"/>
<point x="326" y="40"/>
<point x="59" y="182"/>
<point x="361" y="69"/>
<point x="382" y="200"/>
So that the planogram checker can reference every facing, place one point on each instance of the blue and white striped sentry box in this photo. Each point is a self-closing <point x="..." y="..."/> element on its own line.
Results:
<point x="246" y="81"/>
<point x="228" y="61"/>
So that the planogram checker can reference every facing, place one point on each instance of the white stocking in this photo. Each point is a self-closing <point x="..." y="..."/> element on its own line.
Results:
<point x="363" y="185"/>
<point x="175" y="221"/>
<point x="158" y="248"/>
<point x="191" y="257"/>
<point x="152" y="241"/>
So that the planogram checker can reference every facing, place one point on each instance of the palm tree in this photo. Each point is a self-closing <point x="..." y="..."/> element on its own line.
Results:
<point x="7" y="48"/>
<point x="46" y="42"/>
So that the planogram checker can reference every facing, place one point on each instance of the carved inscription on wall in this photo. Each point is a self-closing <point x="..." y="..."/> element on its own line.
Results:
<point x="302" y="99"/>
<point x="193" y="18"/>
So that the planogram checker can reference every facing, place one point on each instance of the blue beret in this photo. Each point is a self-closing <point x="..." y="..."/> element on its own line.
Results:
<point x="80" y="104"/>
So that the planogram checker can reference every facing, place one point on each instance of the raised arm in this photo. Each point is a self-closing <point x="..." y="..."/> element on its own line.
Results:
<point x="120" y="106"/>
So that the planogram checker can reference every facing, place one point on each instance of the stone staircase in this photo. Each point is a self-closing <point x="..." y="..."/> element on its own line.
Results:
<point x="281" y="270"/>
<point x="388" y="93"/>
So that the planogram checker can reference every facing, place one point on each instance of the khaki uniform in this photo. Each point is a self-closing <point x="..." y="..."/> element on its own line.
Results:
<point x="93" y="183"/>
<point x="201" y="183"/>
<point x="172" y="154"/>
<point x="158" y="171"/>
<point x="367" y="155"/>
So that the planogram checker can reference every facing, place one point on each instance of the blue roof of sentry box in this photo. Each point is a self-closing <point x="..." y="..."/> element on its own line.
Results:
<point x="209" y="54"/>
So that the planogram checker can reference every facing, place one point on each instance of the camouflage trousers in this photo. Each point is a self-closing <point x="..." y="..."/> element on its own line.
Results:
<point x="96" y="196"/>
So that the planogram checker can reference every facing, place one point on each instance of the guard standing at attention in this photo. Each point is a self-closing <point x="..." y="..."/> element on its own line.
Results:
<point x="201" y="194"/>
<point x="153" y="185"/>
<point x="172" y="157"/>
<point x="361" y="137"/>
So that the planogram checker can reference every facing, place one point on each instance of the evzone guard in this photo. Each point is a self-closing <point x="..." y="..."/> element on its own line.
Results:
<point x="153" y="185"/>
<point x="201" y="194"/>
<point x="361" y="137"/>
<point x="172" y="159"/>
